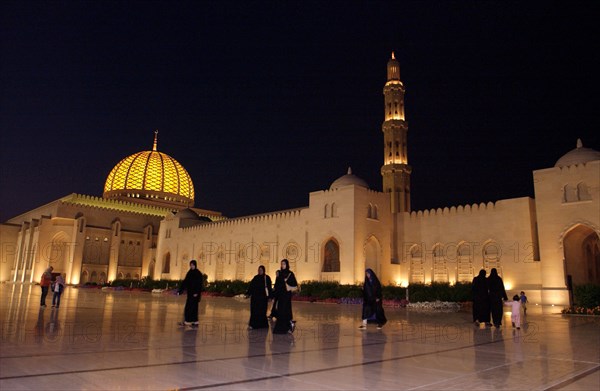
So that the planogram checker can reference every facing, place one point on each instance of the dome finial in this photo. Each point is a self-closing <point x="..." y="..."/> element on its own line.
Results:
<point x="393" y="56"/>
<point x="349" y="170"/>
<point x="155" y="140"/>
<point x="579" y="143"/>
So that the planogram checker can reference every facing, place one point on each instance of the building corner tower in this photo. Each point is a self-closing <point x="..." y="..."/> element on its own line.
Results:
<point x="395" y="170"/>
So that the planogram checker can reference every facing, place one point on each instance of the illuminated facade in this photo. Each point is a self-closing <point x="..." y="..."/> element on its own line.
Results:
<point x="145" y="226"/>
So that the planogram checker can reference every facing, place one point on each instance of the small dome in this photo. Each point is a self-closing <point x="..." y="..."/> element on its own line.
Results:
<point x="578" y="155"/>
<point x="348" y="179"/>
<point x="150" y="177"/>
<point x="187" y="213"/>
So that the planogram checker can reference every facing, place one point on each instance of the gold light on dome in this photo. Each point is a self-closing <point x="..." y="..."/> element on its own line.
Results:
<point x="150" y="171"/>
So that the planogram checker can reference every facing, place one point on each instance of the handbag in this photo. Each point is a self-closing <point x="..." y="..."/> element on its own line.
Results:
<point x="290" y="288"/>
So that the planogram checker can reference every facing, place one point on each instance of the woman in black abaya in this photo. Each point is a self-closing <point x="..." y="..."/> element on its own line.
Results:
<point x="259" y="291"/>
<point x="481" y="300"/>
<point x="193" y="284"/>
<point x="497" y="294"/>
<point x="372" y="301"/>
<point x="285" y="323"/>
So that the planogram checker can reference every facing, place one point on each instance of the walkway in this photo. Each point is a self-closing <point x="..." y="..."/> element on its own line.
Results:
<point x="130" y="341"/>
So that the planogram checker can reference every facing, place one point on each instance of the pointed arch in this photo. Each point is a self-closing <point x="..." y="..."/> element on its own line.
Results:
<point x="491" y="253"/>
<point x="331" y="256"/>
<point x="581" y="248"/>
<point x="416" y="262"/>
<point x="464" y="262"/>
<point x="372" y="255"/>
<point x="440" y="266"/>
<point x="166" y="264"/>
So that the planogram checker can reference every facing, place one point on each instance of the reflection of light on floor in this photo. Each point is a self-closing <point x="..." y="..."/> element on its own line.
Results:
<point x="103" y="327"/>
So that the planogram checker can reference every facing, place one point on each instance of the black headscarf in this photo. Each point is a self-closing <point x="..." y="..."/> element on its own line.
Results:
<point x="496" y="285"/>
<point x="372" y="286"/>
<point x="284" y="273"/>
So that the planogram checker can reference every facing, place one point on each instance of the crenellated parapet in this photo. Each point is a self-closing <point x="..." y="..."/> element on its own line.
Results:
<point x="454" y="210"/>
<point x="114" y="205"/>
<point x="288" y="214"/>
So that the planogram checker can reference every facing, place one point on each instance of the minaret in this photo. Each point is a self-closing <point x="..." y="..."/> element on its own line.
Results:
<point x="395" y="170"/>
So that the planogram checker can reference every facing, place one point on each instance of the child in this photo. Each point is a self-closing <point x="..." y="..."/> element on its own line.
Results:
<point x="515" y="306"/>
<point x="524" y="302"/>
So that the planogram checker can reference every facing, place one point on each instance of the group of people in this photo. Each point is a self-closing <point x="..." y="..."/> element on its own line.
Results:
<point x="57" y="286"/>
<point x="489" y="296"/>
<point x="261" y="290"/>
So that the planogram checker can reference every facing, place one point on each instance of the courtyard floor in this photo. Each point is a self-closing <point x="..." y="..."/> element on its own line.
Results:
<point x="123" y="340"/>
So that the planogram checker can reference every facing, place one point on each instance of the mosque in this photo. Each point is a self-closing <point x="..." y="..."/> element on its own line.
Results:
<point x="146" y="225"/>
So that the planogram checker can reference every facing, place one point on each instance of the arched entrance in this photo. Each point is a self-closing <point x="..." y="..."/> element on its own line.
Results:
<point x="151" y="269"/>
<point x="372" y="251"/>
<point x="582" y="255"/>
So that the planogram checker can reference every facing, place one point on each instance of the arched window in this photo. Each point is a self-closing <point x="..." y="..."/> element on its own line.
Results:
<point x="582" y="192"/>
<point x="370" y="211"/>
<point x="333" y="210"/>
<point x="417" y="271"/>
<point x="464" y="263"/>
<point x="167" y="263"/>
<point x="440" y="267"/>
<point x="326" y="211"/>
<point x="331" y="257"/>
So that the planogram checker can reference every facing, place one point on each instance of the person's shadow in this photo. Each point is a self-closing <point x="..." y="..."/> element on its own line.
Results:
<point x="256" y="355"/>
<point x="188" y="344"/>
<point x="39" y="327"/>
<point x="53" y="326"/>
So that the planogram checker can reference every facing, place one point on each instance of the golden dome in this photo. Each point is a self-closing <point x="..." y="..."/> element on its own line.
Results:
<point x="150" y="177"/>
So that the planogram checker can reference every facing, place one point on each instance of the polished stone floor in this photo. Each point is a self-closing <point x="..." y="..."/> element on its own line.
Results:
<point x="130" y="340"/>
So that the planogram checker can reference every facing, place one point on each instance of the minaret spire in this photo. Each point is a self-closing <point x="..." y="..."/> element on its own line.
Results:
<point x="395" y="170"/>
<point x="155" y="140"/>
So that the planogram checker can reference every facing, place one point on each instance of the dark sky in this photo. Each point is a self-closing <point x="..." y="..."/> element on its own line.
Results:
<point x="264" y="102"/>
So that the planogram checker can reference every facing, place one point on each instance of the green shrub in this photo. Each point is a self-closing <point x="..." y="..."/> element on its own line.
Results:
<point x="228" y="287"/>
<point x="393" y="292"/>
<point x="459" y="292"/>
<point x="587" y="295"/>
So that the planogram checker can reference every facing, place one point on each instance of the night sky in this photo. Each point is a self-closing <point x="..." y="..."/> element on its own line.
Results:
<point x="264" y="102"/>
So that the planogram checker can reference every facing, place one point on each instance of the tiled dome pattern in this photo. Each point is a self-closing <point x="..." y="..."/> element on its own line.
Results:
<point x="150" y="175"/>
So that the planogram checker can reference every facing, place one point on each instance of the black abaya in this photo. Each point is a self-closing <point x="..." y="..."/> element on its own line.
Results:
<point x="481" y="301"/>
<point x="193" y="284"/>
<point x="497" y="293"/>
<point x="259" y="300"/>
<point x="373" y="301"/>
<point x="284" y="302"/>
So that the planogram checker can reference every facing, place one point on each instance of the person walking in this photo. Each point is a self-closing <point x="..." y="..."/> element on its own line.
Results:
<point x="259" y="290"/>
<point x="497" y="294"/>
<point x="524" y="302"/>
<point x="193" y="284"/>
<point x="372" y="301"/>
<point x="515" y="311"/>
<point x="45" y="282"/>
<point x="481" y="300"/>
<point x="58" y="288"/>
<point x="285" y="284"/>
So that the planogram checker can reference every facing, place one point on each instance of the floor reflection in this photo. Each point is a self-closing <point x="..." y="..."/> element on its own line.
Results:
<point x="103" y="339"/>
